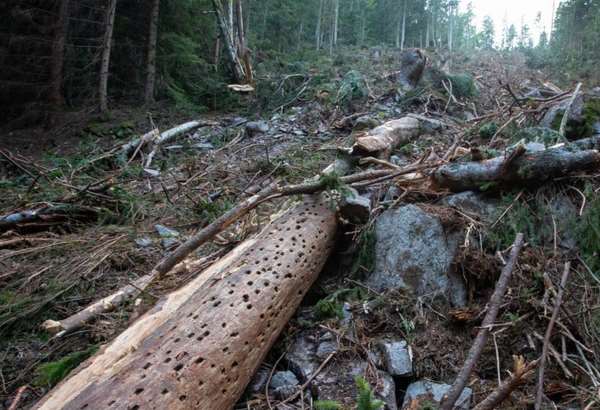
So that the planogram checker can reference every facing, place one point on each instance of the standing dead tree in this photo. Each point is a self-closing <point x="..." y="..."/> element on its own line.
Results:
<point x="237" y="52"/>
<point x="151" y="53"/>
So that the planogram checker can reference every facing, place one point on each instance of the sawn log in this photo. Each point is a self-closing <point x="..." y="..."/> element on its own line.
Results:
<point x="199" y="347"/>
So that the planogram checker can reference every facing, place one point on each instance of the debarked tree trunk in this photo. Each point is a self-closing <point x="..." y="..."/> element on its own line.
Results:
<point x="528" y="168"/>
<point x="199" y="347"/>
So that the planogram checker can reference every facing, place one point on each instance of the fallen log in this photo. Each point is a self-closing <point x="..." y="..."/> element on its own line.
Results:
<point x="383" y="139"/>
<point x="199" y="347"/>
<point x="46" y="216"/>
<point x="128" y="292"/>
<point x="166" y="136"/>
<point x="524" y="169"/>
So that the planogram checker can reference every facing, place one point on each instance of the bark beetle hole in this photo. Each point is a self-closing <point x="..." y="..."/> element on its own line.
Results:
<point x="138" y="390"/>
<point x="164" y="391"/>
<point x="249" y="306"/>
<point x="234" y="334"/>
<point x="167" y="360"/>
<point x="246" y="298"/>
<point x="147" y="366"/>
<point x="178" y="367"/>
<point x="199" y="360"/>
<point x="225" y="349"/>
<point x="217" y="303"/>
<point x="182" y="397"/>
<point x="223" y="325"/>
<point x="134" y="407"/>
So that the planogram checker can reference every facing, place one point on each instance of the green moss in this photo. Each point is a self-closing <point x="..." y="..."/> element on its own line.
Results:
<point x="543" y="135"/>
<point x="49" y="374"/>
<point x="364" y="260"/>
<point x="333" y="305"/>
<point x="488" y="130"/>
<point x="463" y="85"/>
<point x="584" y="128"/>
<point x="327" y="405"/>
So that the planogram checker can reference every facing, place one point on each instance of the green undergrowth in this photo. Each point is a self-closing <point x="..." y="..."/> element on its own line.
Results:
<point x="463" y="85"/>
<point x="583" y="128"/>
<point x="49" y="374"/>
<point x="587" y="232"/>
<point x="332" y="306"/>
<point x="364" y="259"/>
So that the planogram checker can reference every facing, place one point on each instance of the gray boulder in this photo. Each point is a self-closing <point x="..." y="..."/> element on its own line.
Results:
<point x="553" y="117"/>
<point x="414" y="252"/>
<point x="355" y="208"/>
<point x="433" y="393"/>
<point x="429" y="125"/>
<point x="143" y="242"/>
<point x="474" y="204"/>
<point x="365" y="123"/>
<point x="256" y="127"/>
<point x="397" y="357"/>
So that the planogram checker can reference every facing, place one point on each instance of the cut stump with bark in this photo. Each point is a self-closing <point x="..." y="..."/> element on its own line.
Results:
<point x="200" y="346"/>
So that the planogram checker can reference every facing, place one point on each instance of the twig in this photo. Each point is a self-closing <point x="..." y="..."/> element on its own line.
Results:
<point x="482" y="335"/>
<point x="501" y="393"/>
<point x="309" y="380"/>
<point x="540" y="384"/>
<point x="17" y="399"/>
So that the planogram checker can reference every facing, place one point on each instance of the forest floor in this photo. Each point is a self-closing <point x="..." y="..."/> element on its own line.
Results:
<point x="98" y="229"/>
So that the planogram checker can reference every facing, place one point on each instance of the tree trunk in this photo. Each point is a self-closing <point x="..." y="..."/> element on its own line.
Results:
<point x="336" y="18"/>
<point x="383" y="139"/>
<point x="529" y="168"/>
<point x="58" y="56"/>
<point x="403" y="37"/>
<point x="319" y="20"/>
<point x="229" y="40"/>
<point x="200" y="346"/>
<point x="106" y="47"/>
<point x="450" y="28"/>
<point x="151" y="63"/>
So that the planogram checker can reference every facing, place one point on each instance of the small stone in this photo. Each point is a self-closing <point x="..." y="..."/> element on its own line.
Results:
<point x="429" y="391"/>
<point x="143" y="242"/>
<point x="387" y="391"/>
<point x="256" y="127"/>
<point x="325" y="349"/>
<point x="165" y="232"/>
<point x="301" y="357"/>
<point x="355" y="208"/>
<point x="397" y="356"/>
<point x="283" y="378"/>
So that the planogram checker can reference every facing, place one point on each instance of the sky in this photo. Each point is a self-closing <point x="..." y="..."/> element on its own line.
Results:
<point x="514" y="12"/>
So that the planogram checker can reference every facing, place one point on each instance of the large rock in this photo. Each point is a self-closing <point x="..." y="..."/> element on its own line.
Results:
<point x="425" y="392"/>
<point x="412" y="65"/>
<point x="397" y="357"/>
<point x="284" y="384"/>
<point x="474" y="204"/>
<point x="575" y="118"/>
<point x="355" y="208"/>
<point x="414" y="252"/>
